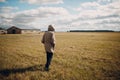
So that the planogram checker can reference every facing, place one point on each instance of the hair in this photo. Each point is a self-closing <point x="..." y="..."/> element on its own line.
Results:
<point x="51" y="28"/>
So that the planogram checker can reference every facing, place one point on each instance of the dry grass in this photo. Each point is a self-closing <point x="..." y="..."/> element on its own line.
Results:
<point x="78" y="56"/>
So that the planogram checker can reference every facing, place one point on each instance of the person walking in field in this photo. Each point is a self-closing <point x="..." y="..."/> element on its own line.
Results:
<point x="48" y="40"/>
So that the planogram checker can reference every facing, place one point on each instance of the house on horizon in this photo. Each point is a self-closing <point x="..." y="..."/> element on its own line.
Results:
<point x="16" y="30"/>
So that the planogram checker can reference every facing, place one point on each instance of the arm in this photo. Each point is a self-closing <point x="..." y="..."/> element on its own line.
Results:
<point x="43" y="39"/>
<point x="53" y="40"/>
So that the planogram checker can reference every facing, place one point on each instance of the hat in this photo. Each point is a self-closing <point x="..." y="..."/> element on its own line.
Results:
<point x="51" y="28"/>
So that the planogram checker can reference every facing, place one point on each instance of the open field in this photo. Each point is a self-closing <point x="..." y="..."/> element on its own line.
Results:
<point x="78" y="56"/>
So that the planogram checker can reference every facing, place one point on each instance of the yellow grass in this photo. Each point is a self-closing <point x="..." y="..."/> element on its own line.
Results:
<point x="78" y="56"/>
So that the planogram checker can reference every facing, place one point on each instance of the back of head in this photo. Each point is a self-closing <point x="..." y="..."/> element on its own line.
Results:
<point x="51" y="28"/>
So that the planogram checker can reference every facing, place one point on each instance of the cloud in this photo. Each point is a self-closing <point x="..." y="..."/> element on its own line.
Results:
<point x="2" y="0"/>
<point x="36" y="18"/>
<point x="6" y="15"/>
<point x="7" y="9"/>
<point x="90" y="4"/>
<point x="43" y="1"/>
<point x="94" y="15"/>
<point x="40" y="13"/>
<point x="107" y="1"/>
<point x="104" y="0"/>
<point x="89" y="15"/>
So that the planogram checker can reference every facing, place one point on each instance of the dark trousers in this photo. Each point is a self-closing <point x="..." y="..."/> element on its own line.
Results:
<point x="49" y="56"/>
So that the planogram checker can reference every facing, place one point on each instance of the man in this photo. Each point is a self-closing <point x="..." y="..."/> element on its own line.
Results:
<point x="49" y="43"/>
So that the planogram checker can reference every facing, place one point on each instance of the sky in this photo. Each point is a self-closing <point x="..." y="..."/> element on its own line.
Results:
<point x="64" y="15"/>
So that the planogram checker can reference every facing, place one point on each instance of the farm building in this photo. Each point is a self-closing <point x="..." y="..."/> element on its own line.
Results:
<point x="16" y="30"/>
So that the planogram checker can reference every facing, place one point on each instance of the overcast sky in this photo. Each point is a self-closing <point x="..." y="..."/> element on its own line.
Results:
<point x="64" y="15"/>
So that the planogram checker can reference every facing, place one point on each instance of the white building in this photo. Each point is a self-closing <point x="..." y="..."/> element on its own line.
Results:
<point x="29" y="31"/>
<point x="2" y="31"/>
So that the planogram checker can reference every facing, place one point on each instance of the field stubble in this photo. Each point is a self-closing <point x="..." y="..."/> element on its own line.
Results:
<point x="78" y="56"/>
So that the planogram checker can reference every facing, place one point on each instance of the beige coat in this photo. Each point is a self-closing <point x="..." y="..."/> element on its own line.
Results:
<point x="49" y="41"/>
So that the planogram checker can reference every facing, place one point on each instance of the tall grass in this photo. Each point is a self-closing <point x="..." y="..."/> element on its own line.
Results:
<point x="78" y="56"/>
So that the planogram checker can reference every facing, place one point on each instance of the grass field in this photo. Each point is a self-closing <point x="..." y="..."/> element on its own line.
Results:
<point x="78" y="56"/>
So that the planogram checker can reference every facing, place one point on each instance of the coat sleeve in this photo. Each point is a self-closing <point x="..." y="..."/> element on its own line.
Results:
<point x="53" y="41"/>
<point x="43" y="39"/>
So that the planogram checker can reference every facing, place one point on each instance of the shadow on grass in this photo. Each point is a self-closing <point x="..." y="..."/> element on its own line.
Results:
<point x="7" y="72"/>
